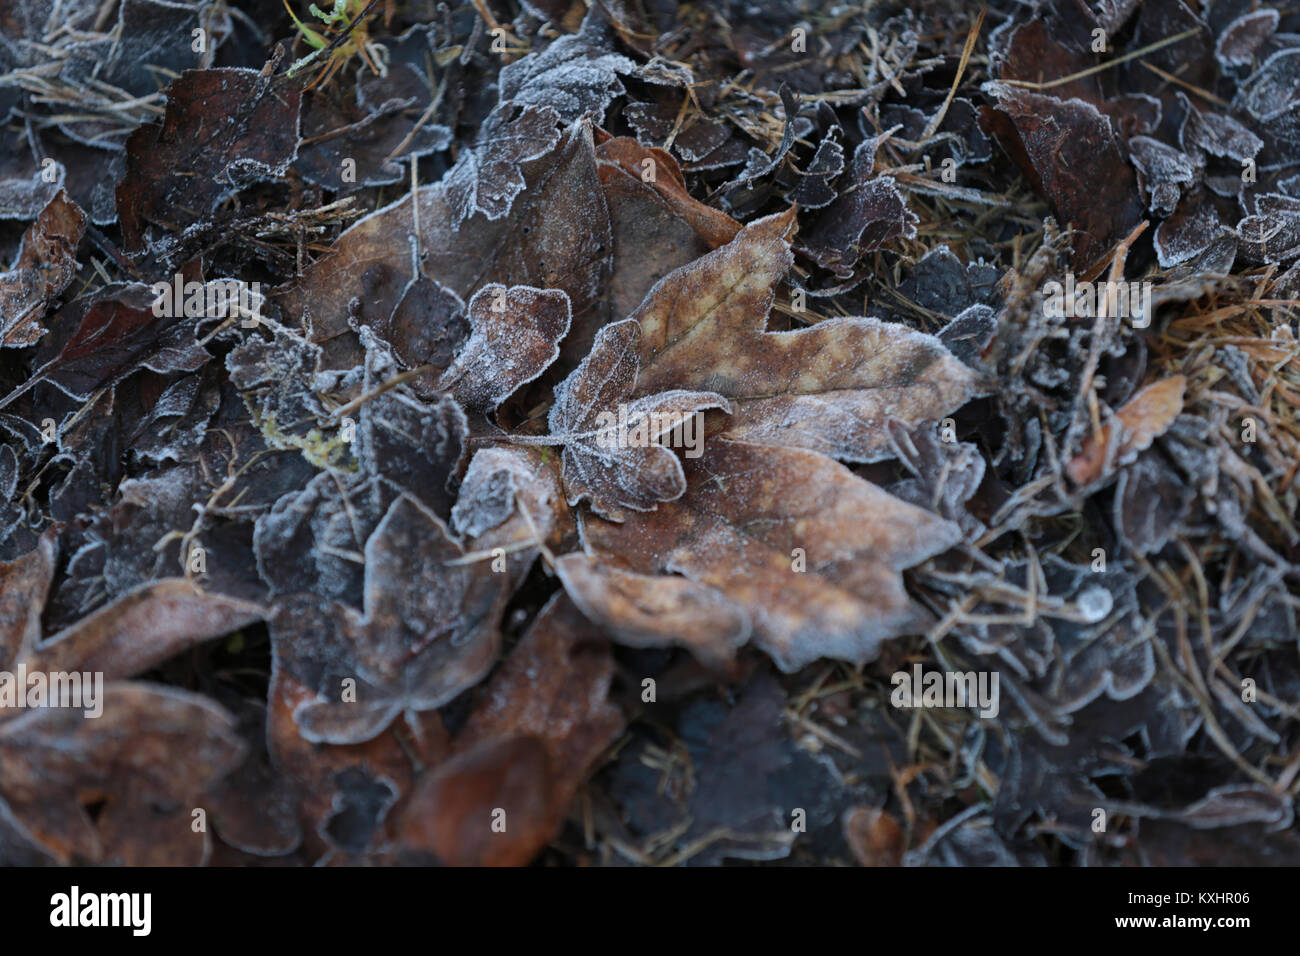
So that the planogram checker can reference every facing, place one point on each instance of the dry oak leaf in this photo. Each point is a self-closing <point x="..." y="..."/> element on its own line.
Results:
<point x="45" y="265"/>
<point x="829" y="388"/>
<point x="611" y="452"/>
<point x="514" y="337"/>
<point x="811" y="551"/>
<point x="1132" y="429"/>
<point x="429" y="631"/>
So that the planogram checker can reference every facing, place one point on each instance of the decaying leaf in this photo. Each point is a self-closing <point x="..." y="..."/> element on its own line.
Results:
<point x="1141" y="420"/>
<point x="429" y="631"/>
<point x="829" y="388"/>
<point x="151" y="752"/>
<point x="487" y="177"/>
<point x="613" y="454"/>
<point x="45" y="265"/>
<point x="812" y="552"/>
<point x="224" y="129"/>
<point x="524" y="751"/>
<point x="514" y="336"/>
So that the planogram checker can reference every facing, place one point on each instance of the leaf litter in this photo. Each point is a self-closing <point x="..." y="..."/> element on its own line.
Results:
<point x="596" y="412"/>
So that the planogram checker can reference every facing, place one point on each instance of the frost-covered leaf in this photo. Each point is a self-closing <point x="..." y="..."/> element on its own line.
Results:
<point x="45" y="265"/>
<point x="1241" y="38"/>
<point x="1071" y="153"/>
<point x="829" y="388"/>
<point x="747" y="509"/>
<point x="514" y="337"/>
<point x="224" y="129"/>
<point x="612" y="451"/>
<point x="575" y="75"/>
<point x="869" y="212"/>
<point x="1163" y="172"/>
<point x="1272" y="233"/>
<point x="152" y="751"/>
<point x="487" y="177"/>
<point x="655" y="610"/>
<point x="556" y="237"/>
<point x="1215" y="134"/>
<point x="429" y="631"/>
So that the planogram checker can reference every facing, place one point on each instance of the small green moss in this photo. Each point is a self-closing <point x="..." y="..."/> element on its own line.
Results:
<point x="323" y="451"/>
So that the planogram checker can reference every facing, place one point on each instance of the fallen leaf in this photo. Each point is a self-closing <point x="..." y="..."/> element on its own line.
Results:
<point x="874" y="836"/>
<point x="649" y="610"/>
<point x="149" y="755"/>
<point x="575" y="75"/>
<point x="1070" y="153"/>
<point x="829" y="388"/>
<point x="224" y="129"/>
<point x="487" y="177"/>
<point x="612" y="456"/>
<point x="525" y="750"/>
<point x="753" y="516"/>
<point x="429" y="631"/>
<point x="514" y="337"/>
<point x="46" y="264"/>
<point x="1132" y="429"/>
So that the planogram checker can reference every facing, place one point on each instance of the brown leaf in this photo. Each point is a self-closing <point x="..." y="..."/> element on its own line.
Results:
<point x="622" y="159"/>
<point x="611" y="451"/>
<point x="487" y="177"/>
<point x="429" y="632"/>
<point x="336" y="779"/>
<point x="1070" y="153"/>
<point x="116" y="333"/>
<point x="136" y="632"/>
<point x="24" y="587"/>
<point x="830" y="388"/>
<point x="511" y="497"/>
<point x="556" y="237"/>
<point x="514" y="336"/>
<point x="753" y="516"/>
<point x="45" y="265"/>
<point x="143" y="628"/>
<point x="657" y="226"/>
<point x="152" y="747"/>
<point x="1132" y="429"/>
<point x="538" y="730"/>
<point x="874" y="836"/>
<point x="224" y="129"/>
<point x="451" y="811"/>
<point x="649" y="610"/>
<point x="554" y="686"/>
